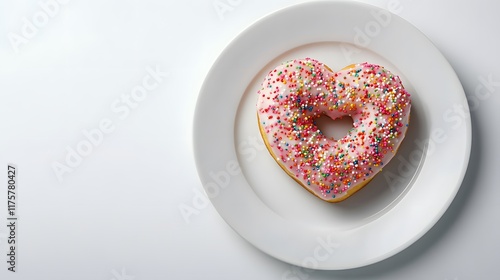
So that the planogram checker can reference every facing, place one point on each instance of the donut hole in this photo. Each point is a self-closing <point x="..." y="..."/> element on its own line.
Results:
<point x="334" y="129"/>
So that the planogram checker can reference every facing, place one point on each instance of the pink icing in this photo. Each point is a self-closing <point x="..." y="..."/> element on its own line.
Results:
<point x="297" y="92"/>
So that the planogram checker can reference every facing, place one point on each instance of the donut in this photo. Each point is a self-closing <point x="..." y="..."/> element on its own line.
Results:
<point x="296" y="93"/>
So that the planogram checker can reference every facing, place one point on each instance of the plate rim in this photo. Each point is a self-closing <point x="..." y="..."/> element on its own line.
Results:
<point x="467" y="127"/>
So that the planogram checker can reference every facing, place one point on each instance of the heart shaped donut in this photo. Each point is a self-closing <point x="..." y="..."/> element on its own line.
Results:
<point x="296" y="93"/>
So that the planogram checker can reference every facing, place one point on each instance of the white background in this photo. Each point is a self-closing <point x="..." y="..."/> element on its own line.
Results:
<point x="116" y="214"/>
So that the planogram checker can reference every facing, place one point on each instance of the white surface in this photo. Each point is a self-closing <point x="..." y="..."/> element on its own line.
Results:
<point x="117" y="214"/>
<point x="261" y="195"/>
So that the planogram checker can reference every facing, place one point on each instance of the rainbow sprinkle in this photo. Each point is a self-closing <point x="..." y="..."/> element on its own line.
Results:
<point x="298" y="92"/>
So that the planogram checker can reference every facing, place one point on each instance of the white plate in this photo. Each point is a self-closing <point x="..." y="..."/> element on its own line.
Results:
<point x="265" y="206"/>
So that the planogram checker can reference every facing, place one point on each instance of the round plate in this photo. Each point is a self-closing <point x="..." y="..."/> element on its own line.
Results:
<point x="267" y="207"/>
